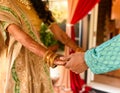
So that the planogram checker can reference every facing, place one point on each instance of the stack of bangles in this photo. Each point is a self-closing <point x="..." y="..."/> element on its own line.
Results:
<point x="50" y="57"/>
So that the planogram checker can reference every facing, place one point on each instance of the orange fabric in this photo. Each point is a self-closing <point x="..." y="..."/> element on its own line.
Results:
<point x="115" y="10"/>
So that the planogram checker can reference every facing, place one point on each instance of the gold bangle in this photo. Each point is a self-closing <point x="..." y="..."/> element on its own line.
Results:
<point x="48" y="58"/>
<point x="46" y="53"/>
<point x="52" y="59"/>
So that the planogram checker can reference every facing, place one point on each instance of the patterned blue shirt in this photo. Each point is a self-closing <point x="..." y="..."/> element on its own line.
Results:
<point x="105" y="57"/>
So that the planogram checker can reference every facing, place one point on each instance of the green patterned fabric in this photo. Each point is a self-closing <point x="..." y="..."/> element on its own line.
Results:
<point x="21" y="71"/>
<point x="105" y="57"/>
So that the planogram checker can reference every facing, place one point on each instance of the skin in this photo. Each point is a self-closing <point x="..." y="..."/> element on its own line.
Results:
<point x="32" y="45"/>
<point x="18" y="33"/>
<point x="63" y="37"/>
<point x="77" y="66"/>
<point x="26" y="40"/>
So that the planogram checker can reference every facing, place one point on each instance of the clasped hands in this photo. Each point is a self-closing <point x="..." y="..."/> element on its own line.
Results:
<point x="75" y="62"/>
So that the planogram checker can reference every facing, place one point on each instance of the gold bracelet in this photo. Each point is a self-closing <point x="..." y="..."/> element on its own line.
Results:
<point x="46" y="53"/>
<point x="52" y="59"/>
<point x="48" y="58"/>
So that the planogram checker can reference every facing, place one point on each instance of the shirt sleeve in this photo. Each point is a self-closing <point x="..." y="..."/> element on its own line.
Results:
<point x="104" y="58"/>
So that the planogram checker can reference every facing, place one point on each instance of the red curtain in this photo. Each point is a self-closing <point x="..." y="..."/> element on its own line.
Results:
<point x="77" y="9"/>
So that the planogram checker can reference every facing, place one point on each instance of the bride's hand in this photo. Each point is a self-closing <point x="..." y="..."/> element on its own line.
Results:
<point x="59" y="61"/>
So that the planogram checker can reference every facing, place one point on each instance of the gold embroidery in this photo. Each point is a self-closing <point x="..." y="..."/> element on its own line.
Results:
<point x="26" y="3"/>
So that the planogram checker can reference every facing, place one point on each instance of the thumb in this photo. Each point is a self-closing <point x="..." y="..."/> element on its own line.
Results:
<point x="67" y="58"/>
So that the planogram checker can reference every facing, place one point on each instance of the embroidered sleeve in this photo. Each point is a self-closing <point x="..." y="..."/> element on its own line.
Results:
<point x="7" y="17"/>
<point x="105" y="57"/>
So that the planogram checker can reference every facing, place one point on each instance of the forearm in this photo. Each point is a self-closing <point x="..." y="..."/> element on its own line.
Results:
<point x="26" y="40"/>
<point x="63" y="37"/>
<point x="105" y="57"/>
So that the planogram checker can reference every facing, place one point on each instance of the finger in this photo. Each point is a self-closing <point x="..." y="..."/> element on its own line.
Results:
<point x="75" y="72"/>
<point x="68" y="64"/>
<point x="59" y="62"/>
<point x="64" y="58"/>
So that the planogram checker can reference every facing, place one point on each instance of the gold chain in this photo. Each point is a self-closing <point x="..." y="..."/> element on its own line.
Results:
<point x="27" y="3"/>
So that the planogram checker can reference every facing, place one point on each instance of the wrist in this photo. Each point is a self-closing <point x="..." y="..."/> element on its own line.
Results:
<point x="50" y="57"/>
<point x="78" y="49"/>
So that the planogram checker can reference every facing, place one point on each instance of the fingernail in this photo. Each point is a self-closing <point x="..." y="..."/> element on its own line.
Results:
<point x="62" y="58"/>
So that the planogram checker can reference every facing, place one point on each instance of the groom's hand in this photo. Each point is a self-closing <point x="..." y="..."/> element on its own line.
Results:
<point x="75" y="62"/>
